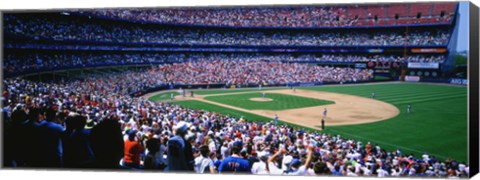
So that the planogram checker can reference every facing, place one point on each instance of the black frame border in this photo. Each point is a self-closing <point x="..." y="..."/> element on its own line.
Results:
<point x="473" y="76"/>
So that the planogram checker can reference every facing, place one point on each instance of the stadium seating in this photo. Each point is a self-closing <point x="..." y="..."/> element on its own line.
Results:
<point x="20" y="63"/>
<point x="60" y="28"/>
<point x="297" y="17"/>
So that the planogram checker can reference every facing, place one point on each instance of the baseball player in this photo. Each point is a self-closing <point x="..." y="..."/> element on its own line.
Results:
<point x="409" y="108"/>
<point x="324" y="113"/>
<point x="276" y="119"/>
<point x="264" y="94"/>
<point x="323" y="124"/>
<point x="171" y="96"/>
<point x="373" y="95"/>
<point x="260" y="86"/>
<point x="293" y="89"/>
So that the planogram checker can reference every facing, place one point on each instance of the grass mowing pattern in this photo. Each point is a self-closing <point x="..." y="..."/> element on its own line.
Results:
<point x="226" y="91"/>
<point x="280" y="101"/>
<point x="230" y="112"/>
<point x="162" y="96"/>
<point x="437" y="124"/>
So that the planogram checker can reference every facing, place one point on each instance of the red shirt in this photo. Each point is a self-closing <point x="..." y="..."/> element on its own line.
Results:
<point x="132" y="152"/>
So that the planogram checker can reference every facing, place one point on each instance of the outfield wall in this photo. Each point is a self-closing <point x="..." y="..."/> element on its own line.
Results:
<point x="218" y="86"/>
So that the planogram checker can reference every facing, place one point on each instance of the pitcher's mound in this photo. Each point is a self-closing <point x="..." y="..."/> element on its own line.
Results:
<point x="261" y="99"/>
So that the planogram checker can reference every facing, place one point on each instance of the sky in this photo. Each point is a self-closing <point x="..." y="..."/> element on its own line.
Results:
<point x="463" y="32"/>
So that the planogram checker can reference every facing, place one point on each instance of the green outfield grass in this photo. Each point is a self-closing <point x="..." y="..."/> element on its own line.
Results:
<point x="226" y="91"/>
<point x="279" y="101"/>
<point x="162" y="96"/>
<point x="230" y="112"/>
<point x="437" y="124"/>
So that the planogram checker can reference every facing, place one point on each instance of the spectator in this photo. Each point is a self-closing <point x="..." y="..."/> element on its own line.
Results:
<point x="77" y="151"/>
<point x="296" y="165"/>
<point x="153" y="147"/>
<point x="107" y="143"/>
<point x="179" y="150"/>
<point x="159" y="155"/>
<point x="261" y="166"/>
<point x="133" y="150"/>
<point x="105" y="100"/>
<point x="203" y="163"/>
<point x="305" y="16"/>
<point x="48" y="135"/>
<point x="235" y="163"/>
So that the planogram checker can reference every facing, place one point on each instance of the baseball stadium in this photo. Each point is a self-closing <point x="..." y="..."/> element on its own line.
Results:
<point x="335" y="90"/>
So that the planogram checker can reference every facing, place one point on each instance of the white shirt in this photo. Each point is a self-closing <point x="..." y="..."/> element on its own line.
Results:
<point x="395" y="162"/>
<point x="395" y="173"/>
<point x="259" y="168"/>
<point x="302" y="171"/>
<point x="201" y="163"/>
<point x="224" y="151"/>
<point x="382" y="173"/>
<point x="274" y="170"/>
<point x="285" y="161"/>
<point x="349" y="173"/>
<point x="461" y="167"/>
<point x="411" y="171"/>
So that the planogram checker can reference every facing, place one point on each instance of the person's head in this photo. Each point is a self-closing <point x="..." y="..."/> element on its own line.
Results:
<point x="243" y="154"/>
<point x="204" y="151"/>
<point x="237" y="147"/>
<point x="153" y="145"/>
<point x="19" y="115"/>
<point x="263" y="156"/>
<point x="337" y="168"/>
<point x="181" y="129"/>
<point x="320" y="168"/>
<point x="206" y="140"/>
<point x="74" y="121"/>
<point x="132" y="134"/>
<point x="213" y="156"/>
<point x="190" y="137"/>
<point x="35" y="114"/>
<point x="219" y="156"/>
<point x="50" y="114"/>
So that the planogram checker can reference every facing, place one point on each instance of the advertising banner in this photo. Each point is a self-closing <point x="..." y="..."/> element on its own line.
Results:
<point x="458" y="81"/>
<point x="383" y="64"/>
<point x="412" y="78"/>
<point x="428" y="50"/>
<point x="360" y="65"/>
<point x="416" y="65"/>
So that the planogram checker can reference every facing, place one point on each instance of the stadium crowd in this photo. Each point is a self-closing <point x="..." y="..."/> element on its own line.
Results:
<point x="309" y="16"/>
<point x="93" y="123"/>
<point x="31" y="62"/>
<point x="254" y="72"/>
<point x="239" y="73"/>
<point x="63" y="28"/>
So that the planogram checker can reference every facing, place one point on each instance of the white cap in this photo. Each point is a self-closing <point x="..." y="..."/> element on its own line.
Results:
<point x="181" y="127"/>
<point x="262" y="153"/>
<point x="287" y="159"/>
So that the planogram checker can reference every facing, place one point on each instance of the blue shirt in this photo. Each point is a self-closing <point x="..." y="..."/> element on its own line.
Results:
<point x="234" y="164"/>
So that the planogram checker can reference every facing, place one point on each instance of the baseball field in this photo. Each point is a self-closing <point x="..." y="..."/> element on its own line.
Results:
<point x="437" y="123"/>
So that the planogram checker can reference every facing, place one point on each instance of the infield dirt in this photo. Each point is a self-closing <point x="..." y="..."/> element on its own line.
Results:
<point x="347" y="109"/>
